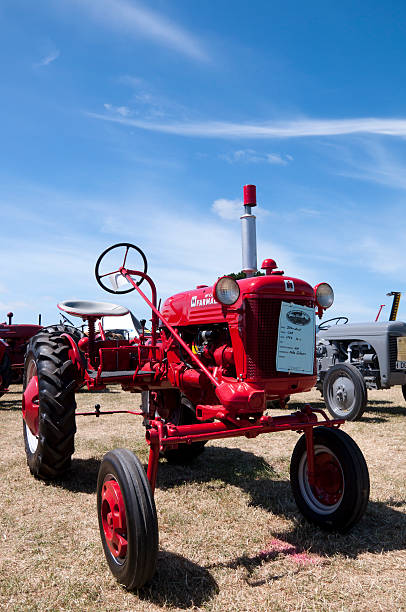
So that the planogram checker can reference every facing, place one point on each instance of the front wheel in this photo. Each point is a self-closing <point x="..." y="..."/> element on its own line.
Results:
<point x="339" y="495"/>
<point x="345" y="392"/>
<point x="127" y="518"/>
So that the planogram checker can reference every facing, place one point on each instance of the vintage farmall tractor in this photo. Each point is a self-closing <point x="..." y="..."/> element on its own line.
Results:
<point x="13" y="344"/>
<point x="214" y="357"/>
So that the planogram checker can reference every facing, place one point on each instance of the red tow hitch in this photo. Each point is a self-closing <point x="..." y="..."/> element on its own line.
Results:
<point x="31" y="405"/>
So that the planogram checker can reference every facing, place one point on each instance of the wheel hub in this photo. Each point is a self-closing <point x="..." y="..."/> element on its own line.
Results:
<point x="30" y="405"/>
<point x="343" y="393"/>
<point x="114" y="519"/>
<point x="329" y="485"/>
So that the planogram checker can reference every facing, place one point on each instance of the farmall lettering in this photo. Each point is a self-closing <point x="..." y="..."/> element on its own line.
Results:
<point x="207" y="370"/>
<point x="207" y="300"/>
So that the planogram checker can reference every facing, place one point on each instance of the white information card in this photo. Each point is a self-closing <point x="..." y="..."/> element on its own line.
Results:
<point x="296" y="339"/>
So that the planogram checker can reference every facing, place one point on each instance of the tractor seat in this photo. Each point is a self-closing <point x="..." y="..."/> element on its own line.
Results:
<point x="82" y="308"/>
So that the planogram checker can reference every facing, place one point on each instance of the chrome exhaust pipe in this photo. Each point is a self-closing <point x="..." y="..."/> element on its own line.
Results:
<point x="248" y="232"/>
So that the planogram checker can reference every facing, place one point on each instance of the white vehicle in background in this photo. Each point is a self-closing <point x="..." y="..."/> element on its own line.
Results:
<point x="126" y="327"/>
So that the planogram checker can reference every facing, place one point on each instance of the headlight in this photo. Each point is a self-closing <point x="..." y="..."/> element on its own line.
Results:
<point x="226" y="291"/>
<point x="324" y="295"/>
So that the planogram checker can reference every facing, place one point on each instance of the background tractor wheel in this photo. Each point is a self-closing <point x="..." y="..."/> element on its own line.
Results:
<point x="49" y="443"/>
<point x="345" y="392"/>
<point x="339" y="496"/>
<point x="127" y="518"/>
<point x="184" y="414"/>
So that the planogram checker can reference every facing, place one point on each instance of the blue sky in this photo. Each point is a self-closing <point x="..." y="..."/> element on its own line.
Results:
<point x="141" y="121"/>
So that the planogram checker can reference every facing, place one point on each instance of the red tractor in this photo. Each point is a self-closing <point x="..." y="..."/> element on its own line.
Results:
<point x="213" y="359"/>
<point x="13" y="343"/>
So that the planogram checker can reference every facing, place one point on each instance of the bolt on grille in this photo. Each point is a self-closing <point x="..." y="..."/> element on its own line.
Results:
<point x="261" y="321"/>
<point x="393" y="352"/>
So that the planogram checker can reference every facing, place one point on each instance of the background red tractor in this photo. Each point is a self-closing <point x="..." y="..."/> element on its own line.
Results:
<point x="214" y="358"/>
<point x="13" y="344"/>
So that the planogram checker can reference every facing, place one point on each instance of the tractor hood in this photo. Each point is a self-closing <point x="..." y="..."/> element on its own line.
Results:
<point x="363" y="330"/>
<point x="199" y="306"/>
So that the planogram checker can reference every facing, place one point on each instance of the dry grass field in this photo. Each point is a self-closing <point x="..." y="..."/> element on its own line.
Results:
<point x="231" y="537"/>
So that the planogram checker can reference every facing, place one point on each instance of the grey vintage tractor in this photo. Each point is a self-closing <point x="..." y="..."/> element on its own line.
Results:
<point x="355" y="357"/>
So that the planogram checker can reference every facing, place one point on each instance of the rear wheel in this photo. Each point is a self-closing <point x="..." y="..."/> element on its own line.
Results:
<point x="404" y="391"/>
<point x="5" y="373"/>
<point x="62" y="328"/>
<point x="345" y="392"/>
<point x="184" y="414"/>
<point x="127" y="518"/>
<point x="339" y="496"/>
<point x="48" y="406"/>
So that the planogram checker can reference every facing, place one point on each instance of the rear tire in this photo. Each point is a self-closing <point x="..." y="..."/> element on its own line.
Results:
<point x="339" y="497"/>
<point x="184" y="414"/>
<point x="49" y="450"/>
<point x="404" y="391"/>
<point x="5" y="373"/>
<point x="345" y="392"/>
<point x="127" y="518"/>
<point x="61" y="328"/>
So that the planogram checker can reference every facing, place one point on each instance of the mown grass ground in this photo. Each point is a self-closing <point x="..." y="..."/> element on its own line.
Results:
<point x="231" y="537"/>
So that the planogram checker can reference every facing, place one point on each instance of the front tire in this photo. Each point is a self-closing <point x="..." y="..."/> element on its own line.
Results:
<point x="339" y="496"/>
<point x="49" y="443"/>
<point x="345" y="392"/>
<point x="127" y="519"/>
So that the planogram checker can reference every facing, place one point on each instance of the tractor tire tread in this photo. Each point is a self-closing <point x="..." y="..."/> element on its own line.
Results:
<point x="142" y="522"/>
<point x="57" y="406"/>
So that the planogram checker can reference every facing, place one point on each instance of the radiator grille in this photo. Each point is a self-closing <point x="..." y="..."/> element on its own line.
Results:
<point x="393" y="352"/>
<point x="261" y="335"/>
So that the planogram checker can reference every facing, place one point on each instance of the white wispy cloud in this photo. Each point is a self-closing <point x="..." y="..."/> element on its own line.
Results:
<point x="233" y="209"/>
<point x="252" y="156"/>
<point x="124" y="111"/>
<point x="136" y="20"/>
<point x="130" y="81"/>
<point x="310" y="212"/>
<point x="372" y="160"/>
<point x="48" y="59"/>
<point x="268" y="130"/>
<point x="227" y="209"/>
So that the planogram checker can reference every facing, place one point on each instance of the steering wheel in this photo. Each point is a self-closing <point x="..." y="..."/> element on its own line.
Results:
<point x="129" y="250"/>
<point x="336" y="319"/>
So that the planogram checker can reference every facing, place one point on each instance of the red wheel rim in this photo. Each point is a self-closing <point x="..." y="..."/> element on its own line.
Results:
<point x="30" y="399"/>
<point x="329" y="483"/>
<point x="113" y="518"/>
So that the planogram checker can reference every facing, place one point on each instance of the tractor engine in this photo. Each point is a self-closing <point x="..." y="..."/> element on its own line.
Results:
<point x="244" y="341"/>
<point x="212" y="344"/>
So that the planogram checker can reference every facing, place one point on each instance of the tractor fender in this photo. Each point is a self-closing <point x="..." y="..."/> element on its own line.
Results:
<point x="77" y="359"/>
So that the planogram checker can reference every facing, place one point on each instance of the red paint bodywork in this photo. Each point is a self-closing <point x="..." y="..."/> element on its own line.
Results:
<point x="16" y="338"/>
<point x="198" y="307"/>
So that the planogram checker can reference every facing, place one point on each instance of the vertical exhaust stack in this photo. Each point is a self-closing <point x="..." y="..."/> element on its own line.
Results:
<point x="248" y="232"/>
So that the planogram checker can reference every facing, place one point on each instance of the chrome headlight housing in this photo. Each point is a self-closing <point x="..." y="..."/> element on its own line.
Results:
<point x="226" y="291"/>
<point x="324" y="295"/>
